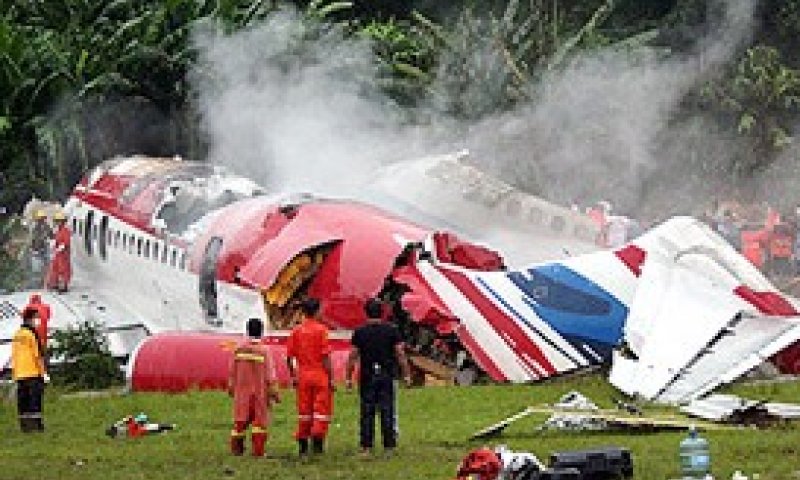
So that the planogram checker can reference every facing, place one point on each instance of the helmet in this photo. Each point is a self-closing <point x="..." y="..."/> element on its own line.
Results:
<point x="482" y="463"/>
<point x="141" y="418"/>
<point x="59" y="217"/>
<point x="39" y="214"/>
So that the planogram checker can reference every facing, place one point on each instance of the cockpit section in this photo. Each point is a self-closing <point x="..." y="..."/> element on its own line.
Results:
<point x="185" y="202"/>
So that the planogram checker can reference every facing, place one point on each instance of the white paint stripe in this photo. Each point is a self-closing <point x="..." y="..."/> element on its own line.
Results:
<point x="607" y="271"/>
<point x="478" y="327"/>
<point x="592" y="352"/>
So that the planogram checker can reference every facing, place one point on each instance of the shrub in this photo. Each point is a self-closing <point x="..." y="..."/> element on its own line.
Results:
<point x="82" y="358"/>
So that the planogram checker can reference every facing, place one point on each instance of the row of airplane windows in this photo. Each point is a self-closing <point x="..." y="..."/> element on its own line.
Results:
<point x="132" y="244"/>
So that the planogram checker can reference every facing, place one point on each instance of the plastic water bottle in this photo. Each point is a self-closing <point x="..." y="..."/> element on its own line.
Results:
<point x="695" y="455"/>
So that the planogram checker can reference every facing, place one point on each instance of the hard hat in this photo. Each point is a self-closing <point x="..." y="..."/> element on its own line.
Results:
<point x="59" y="216"/>
<point x="481" y="462"/>
<point x="39" y="214"/>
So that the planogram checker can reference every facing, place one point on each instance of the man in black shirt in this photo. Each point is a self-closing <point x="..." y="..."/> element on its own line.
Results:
<point x="379" y="348"/>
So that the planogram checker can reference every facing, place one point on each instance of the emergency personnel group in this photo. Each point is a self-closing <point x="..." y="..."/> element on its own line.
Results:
<point x="377" y="349"/>
<point x="50" y="265"/>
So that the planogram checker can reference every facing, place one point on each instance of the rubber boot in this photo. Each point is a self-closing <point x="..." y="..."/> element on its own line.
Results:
<point x="27" y="425"/>
<point x="237" y="445"/>
<point x="317" y="445"/>
<point x="258" y="440"/>
<point x="302" y="444"/>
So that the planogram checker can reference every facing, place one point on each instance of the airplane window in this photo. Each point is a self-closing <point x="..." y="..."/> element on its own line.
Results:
<point x="173" y="261"/>
<point x="147" y="249"/>
<point x="139" y="246"/>
<point x="89" y="232"/>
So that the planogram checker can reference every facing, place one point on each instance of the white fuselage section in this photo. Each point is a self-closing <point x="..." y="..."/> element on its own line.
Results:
<point x="148" y="275"/>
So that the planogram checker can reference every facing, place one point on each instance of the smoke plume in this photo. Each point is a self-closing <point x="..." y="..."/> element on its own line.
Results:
<point x="299" y="113"/>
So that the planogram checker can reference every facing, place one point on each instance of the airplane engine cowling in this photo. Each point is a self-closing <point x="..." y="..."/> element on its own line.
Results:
<point x="179" y="361"/>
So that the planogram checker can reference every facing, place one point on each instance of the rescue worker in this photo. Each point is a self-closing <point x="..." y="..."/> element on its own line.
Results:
<point x="41" y="234"/>
<point x="729" y="230"/>
<point x="378" y="348"/>
<point x="36" y="303"/>
<point x="599" y="214"/>
<point x="251" y="383"/>
<point x="29" y="373"/>
<point x="780" y="243"/>
<point x="60" y="273"/>
<point x="308" y="347"/>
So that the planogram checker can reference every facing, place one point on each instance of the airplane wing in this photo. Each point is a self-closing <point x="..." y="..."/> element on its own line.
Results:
<point x="122" y="328"/>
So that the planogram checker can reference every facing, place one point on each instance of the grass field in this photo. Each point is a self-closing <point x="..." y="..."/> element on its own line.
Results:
<point x="435" y="423"/>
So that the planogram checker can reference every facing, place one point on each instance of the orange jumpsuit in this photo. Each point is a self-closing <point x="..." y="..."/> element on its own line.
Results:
<point x="308" y="343"/>
<point x="251" y="378"/>
<point x="60" y="272"/>
<point x="44" y="317"/>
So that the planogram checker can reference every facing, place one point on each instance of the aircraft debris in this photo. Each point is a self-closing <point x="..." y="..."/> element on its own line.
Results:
<point x="171" y="245"/>
<point x="575" y="412"/>
<point x="731" y="409"/>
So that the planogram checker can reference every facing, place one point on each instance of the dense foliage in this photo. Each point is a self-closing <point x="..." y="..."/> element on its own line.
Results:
<point x="83" y="80"/>
<point x="83" y="359"/>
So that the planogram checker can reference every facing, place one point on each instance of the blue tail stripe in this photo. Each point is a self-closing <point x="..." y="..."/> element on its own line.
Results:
<point x="573" y="305"/>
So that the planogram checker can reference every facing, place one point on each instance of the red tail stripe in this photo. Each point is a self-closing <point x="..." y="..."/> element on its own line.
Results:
<point x="633" y="257"/>
<point x="501" y="322"/>
<point x="479" y="355"/>
<point x="769" y="303"/>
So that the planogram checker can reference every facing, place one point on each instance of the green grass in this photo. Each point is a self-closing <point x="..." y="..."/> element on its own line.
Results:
<point x="435" y="423"/>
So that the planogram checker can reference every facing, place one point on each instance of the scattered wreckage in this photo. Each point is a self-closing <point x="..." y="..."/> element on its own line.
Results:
<point x="174" y="248"/>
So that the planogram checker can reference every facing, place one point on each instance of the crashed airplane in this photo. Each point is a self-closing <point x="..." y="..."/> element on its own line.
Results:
<point x="173" y="256"/>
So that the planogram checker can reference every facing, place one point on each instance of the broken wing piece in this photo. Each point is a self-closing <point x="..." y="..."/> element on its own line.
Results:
<point x="690" y="328"/>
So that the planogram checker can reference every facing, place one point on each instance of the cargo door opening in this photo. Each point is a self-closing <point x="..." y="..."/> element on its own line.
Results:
<point x="283" y="298"/>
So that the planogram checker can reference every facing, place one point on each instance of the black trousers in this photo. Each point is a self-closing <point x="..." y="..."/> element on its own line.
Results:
<point x="377" y="396"/>
<point x="29" y="403"/>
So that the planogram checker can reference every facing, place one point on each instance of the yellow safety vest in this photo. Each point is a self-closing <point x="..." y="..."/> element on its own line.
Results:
<point x="26" y="357"/>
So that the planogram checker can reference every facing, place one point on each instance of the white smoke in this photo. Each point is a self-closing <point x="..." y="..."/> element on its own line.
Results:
<point x="605" y="123"/>
<point x="293" y="114"/>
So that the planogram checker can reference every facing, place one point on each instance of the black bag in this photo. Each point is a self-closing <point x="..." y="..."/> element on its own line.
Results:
<point x="596" y="464"/>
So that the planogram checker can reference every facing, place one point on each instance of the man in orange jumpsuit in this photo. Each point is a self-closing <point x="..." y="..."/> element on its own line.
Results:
<point x="60" y="272"/>
<point x="308" y="346"/>
<point x="251" y="384"/>
<point x="36" y="303"/>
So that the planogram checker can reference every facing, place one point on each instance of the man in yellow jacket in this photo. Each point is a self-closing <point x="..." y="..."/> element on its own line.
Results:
<point x="28" y="371"/>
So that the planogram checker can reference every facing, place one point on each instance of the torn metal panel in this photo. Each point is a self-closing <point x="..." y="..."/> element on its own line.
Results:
<point x="738" y="410"/>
